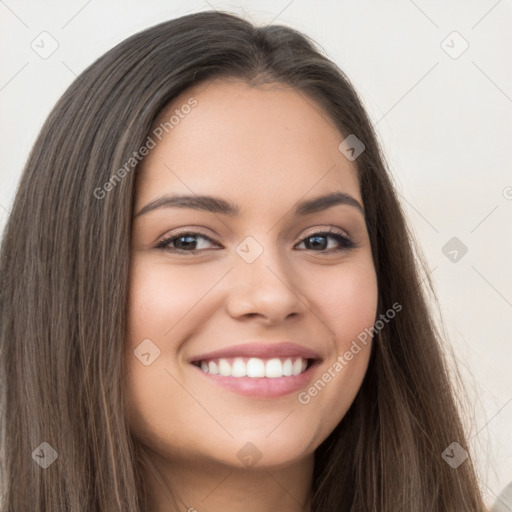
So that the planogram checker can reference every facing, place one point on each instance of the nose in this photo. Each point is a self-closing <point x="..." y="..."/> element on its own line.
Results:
<point x="265" y="289"/>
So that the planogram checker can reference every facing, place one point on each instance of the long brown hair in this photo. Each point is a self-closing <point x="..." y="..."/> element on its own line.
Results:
<point x="64" y="273"/>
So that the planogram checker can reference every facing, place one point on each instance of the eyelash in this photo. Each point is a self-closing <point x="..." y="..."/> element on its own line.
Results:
<point x="345" y="242"/>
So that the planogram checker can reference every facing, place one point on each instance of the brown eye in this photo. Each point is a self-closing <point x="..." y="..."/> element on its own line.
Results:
<point x="185" y="242"/>
<point x="319" y="241"/>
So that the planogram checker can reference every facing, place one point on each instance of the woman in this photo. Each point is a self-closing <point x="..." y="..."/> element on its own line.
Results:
<point x="289" y="364"/>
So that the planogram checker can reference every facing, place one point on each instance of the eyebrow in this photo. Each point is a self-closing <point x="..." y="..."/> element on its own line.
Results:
<point x="218" y="205"/>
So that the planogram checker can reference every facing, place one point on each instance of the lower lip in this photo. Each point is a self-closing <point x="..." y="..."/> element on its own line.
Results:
<point x="263" y="387"/>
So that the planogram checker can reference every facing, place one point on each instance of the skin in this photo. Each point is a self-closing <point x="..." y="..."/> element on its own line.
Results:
<point x="265" y="148"/>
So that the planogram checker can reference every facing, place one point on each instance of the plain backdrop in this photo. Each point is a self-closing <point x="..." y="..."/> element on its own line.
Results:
<point x="436" y="79"/>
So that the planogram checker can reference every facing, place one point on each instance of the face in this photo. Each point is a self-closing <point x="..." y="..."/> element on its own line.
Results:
<point x="241" y="323"/>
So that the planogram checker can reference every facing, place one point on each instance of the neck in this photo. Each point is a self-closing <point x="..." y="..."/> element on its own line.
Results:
<point x="211" y="486"/>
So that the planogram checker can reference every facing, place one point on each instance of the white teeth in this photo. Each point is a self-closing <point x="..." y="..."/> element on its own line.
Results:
<point x="213" y="368"/>
<point x="255" y="367"/>
<point x="224" y="368"/>
<point x="274" y="368"/>
<point x="239" y="368"/>
<point x="287" y="368"/>
<point x="297" y="367"/>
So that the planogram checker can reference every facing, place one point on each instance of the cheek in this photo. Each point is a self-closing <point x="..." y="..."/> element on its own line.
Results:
<point x="159" y="300"/>
<point x="347" y="305"/>
<point x="354" y="309"/>
<point x="346" y="301"/>
<point x="161" y="297"/>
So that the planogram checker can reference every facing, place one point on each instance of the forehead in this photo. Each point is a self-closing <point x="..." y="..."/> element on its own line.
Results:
<point x="265" y="143"/>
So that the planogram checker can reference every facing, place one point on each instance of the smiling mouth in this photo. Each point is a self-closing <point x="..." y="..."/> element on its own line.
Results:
<point x="255" y="367"/>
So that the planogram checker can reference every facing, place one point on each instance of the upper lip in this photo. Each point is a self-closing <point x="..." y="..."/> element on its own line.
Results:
<point x="260" y="350"/>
